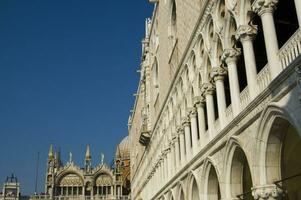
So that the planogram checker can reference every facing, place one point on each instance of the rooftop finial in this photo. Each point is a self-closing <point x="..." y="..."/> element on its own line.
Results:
<point x="88" y="154"/>
<point x="51" y="153"/>
<point x="70" y="157"/>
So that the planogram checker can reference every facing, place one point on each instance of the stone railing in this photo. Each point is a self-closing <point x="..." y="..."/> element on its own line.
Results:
<point x="263" y="78"/>
<point x="290" y="50"/>
<point x="244" y="98"/>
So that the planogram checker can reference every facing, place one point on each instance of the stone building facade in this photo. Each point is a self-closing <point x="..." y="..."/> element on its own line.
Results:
<point x="217" y="110"/>
<point x="103" y="182"/>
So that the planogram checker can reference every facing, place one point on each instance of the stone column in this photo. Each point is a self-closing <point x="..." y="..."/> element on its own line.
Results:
<point x="177" y="152"/>
<point x="168" y="163"/>
<point x="186" y="125"/>
<point x="298" y="10"/>
<point x="199" y="103"/>
<point x="230" y="58"/>
<point x="194" y="130"/>
<point x="265" y="9"/>
<point x="246" y="34"/>
<point x="207" y="90"/>
<point x="218" y="74"/>
<point x="182" y="144"/>
<point x="267" y="192"/>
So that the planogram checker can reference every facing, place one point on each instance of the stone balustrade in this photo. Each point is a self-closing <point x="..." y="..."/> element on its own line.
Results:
<point x="244" y="98"/>
<point x="290" y="50"/>
<point x="263" y="78"/>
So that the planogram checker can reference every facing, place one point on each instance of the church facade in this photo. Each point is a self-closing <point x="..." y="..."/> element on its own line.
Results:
<point x="217" y="110"/>
<point x="103" y="182"/>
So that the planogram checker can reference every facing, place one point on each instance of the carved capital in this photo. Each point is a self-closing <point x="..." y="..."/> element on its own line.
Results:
<point x="199" y="101"/>
<point x="246" y="32"/>
<point x="174" y="139"/>
<point x="167" y="150"/>
<point x="180" y="130"/>
<point x="218" y="73"/>
<point x="266" y="192"/>
<point x="207" y="89"/>
<point x="264" y="6"/>
<point x="231" y="55"/>
<point x="193" y="112"/>
<point x="185" y="121"/>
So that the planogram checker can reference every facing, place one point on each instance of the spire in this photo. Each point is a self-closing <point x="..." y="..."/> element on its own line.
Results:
<point x="70" y="157"/>
<point x="50" y="153"/>
<point x="88" y="162"/>
<point x="88" y="154"/>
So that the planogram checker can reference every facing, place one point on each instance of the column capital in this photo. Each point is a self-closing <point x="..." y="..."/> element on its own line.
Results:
<point x="207" y="89"/>
<point x="185" y="121"/>
<point x="230" y="55"/>
<point x="246" y="32"/>
<point x="264" y="6"/>
<point x="266" y="192"/>
<point x="167" y="150"/>
<point x="218" y="73"/>
<point x="193" y="112"/>
<point x="174" y="139"/>
<point x="180" y="130"/>
<point x="199" y="101"/>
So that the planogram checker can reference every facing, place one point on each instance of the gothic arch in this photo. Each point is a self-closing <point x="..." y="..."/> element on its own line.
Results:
<point x="211" y="187"/>
<point x="273" y="121"/>
<point x="236" y="163"/>
<point x="193" y="186"/>
<point x="100" y="173"/>
<point x="171" y="195"/>
<point x="180" y="191"/>
<point x="244" y="11"/>
<point x="230" y="30"/>
<point x="219" y="13"/>
<point x="64" y="173"/>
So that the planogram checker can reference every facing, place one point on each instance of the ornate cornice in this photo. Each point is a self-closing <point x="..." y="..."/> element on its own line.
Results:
<point x="246" y="32"/>
<point x="264" y="6"/>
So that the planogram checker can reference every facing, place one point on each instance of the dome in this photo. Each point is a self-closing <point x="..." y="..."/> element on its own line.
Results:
<point x="123" y="149"/>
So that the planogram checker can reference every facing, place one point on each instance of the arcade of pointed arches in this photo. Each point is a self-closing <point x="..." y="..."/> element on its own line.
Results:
<point x="238" y="174"/>
<point x="208" y="90"/>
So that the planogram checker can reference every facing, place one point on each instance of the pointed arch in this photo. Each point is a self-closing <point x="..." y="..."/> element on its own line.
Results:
<point x="273" y="122"/>
<point x="211" y="188"/>
<point x="193" y="186"/>
<point x="237" y="170"/>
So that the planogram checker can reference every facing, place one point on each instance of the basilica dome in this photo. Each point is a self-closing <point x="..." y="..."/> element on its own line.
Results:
<point x="123" y="149"/>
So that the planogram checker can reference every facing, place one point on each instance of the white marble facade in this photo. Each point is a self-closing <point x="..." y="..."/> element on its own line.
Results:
<point x="217" y="110"/>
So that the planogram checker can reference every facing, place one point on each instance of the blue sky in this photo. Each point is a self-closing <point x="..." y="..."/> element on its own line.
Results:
<point x="67" y="77"/>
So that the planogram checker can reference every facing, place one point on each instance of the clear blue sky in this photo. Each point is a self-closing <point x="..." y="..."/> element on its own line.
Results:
<point x="67" y="77"/>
